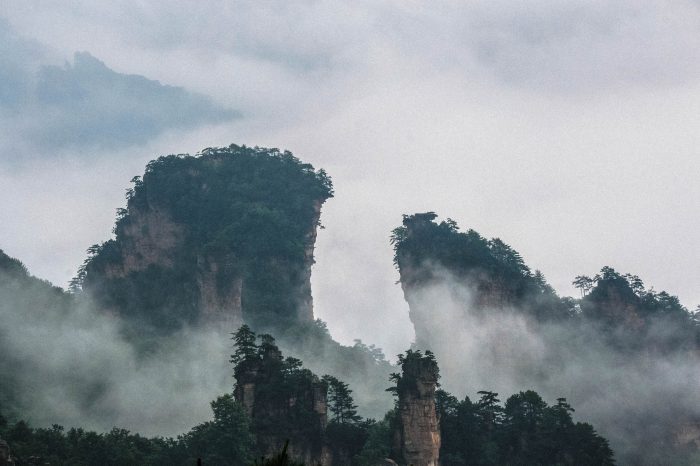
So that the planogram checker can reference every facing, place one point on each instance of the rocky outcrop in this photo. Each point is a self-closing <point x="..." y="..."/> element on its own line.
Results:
<point x="5" y="454"/>
<point x="483" y="276"/>
<point x="417" y="431"/>
<point x="222" y="238"/>
<point x="687" y="435"/>
<point x="278" y="414"/>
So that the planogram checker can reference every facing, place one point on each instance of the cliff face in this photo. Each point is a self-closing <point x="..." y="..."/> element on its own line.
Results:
<point x="484" y="275"/>
<point x="417" y="431"/>
<point x="488" y="276"/>
<point x="284" y="407"/>
<point x="5" y="456"/>
<point x="225" y="237"/>
<point x="463" y="289"/>
<point x="687" y="435"/>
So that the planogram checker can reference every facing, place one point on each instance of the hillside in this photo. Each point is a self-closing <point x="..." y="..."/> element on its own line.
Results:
<point x="226" y="236"/>
<point x="619" y="351"/>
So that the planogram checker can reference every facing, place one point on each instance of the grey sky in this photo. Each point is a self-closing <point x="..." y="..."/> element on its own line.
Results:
<point x="84" y="104"/>
<point x="568" y="129"/>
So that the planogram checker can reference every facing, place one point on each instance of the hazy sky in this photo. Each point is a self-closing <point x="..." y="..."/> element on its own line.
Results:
<point x="570" y="129"/>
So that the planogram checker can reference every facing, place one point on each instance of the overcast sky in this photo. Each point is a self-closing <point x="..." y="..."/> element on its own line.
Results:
<point x="570" y="129"/>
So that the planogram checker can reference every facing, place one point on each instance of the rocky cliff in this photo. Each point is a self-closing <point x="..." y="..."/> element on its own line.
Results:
<point x="465" y="291"/>
<point x="488" y="276"/>
<point x="283" y="401"/>
<point x="416" y="438"/>
<point x="485" y="275"/>
<point x="5" y="454"/>
<point x="224" y="237"/>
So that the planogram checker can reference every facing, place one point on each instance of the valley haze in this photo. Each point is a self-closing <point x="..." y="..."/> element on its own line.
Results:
<point x="567" y="129"/>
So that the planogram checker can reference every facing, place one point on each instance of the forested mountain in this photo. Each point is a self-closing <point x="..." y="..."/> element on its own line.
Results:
<point x="223" y="237"/>
<point x="223" y="242"/>
<point x="22" y="294"/>
<point x="277" y="404"/>
<point x="497" y="278"/>
<point x="618" y="340"/>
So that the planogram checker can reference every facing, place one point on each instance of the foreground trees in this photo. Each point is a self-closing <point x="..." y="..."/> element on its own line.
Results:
<point x="284" y="424"/>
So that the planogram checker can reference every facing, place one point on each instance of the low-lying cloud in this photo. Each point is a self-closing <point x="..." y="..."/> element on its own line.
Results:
<point x="64" y="362"/>
<point x="85" y="104"/>
<point x="640" y="401"/>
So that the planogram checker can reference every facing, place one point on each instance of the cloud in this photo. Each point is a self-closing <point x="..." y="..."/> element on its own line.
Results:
<point x="19" y="57"/>
<point x="64" y="361"/>
<point x="85" y="104"/>
<point x="522" y="120"/>
<point x="624" y="394"/>
<point x="88" y="104"/>
<point x="590" y="46"/>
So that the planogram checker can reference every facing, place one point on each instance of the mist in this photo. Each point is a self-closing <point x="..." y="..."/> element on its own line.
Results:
<point x="64" y="362"/>
<point x="67" y="361"/>
<point x="640" y="401"/>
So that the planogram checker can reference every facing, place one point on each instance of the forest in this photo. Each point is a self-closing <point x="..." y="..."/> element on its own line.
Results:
<point x="194" y="325"/>
<point x="523" y="430"/>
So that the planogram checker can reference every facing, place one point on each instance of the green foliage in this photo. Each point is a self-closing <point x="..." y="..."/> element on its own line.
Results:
<point x="280" y="459"/>
<point x="224" y="441"/>
<point x="423" y="248"/>
<point x="364" y="367"/>
<point x="248" y="209"/>
<point x="246" y="351"/>
<point x="23" y="296"/>
<point x="286" y="395"/>
<point x="628" y="314"/>
<point x="340" y="402"/>
<point x="526" y="431"/>
<point x="378" y="443"/>
<point x="633" y="317"/>
<point x="11" y="266"/>
<point x="346" y="431"/>
<point x="414" y="365"/>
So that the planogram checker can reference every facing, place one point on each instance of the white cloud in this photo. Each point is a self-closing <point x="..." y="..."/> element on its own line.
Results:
<point x="567" y="129"/>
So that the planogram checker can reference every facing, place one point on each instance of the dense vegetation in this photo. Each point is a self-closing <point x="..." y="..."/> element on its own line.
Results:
<point x="524" y="431"/>
<point x="20" y="295"/>
<point x="467" y="291"/>
<point x="250" y="210"/>
<point x="495" y="269"/>
<point x="633" y="317"/>
<point x="425" y="251"/>
<point x="226" y="441"/>
<point x="287" y="399"/>
<point x="247" y="210"/>
<point x="364" y="367"/>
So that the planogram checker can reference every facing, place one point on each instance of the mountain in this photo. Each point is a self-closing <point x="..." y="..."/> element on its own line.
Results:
<point x="22" y="295"/>
<point x="223" y="238"/>
<point x="618" y="353"/>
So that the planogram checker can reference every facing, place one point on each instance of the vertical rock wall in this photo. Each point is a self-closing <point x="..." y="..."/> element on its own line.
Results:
<point x="254" y="385"/>
<point x="417" y="433"/>
<point x="5" y="456"/>
<point x="223" y="238"/>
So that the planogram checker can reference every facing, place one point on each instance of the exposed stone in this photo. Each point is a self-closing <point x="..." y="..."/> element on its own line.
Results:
<point x="5" y="454"/>
<point x="258" y="377"/>
<point x="211" y="269"/>
<point x="687" y="435"/>
<point x="150" y="238"/>
<point x="417" y="434"/>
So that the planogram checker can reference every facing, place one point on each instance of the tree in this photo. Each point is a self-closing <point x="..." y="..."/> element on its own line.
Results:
<point x="225" y="441"/>
<point x="280" y="459"/>
<point x="489" y="411"/>
<point x="246" y="349"/>
<point x="340" y="401"/>
<point x="583" y="283"/>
